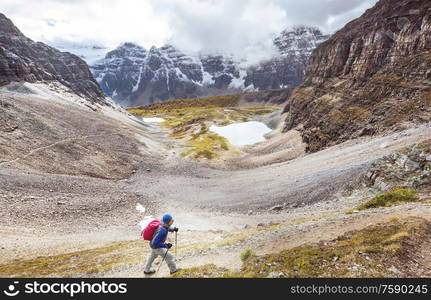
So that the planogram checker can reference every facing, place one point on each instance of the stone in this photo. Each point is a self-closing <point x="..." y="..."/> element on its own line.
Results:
<point x="398" y="170"/>
<point x="275" y="275"/>
<point x="333" y="115"/>
<point x="381" y="184"/>
<point x="394" y="270"/>
<point x="411" y="166"/>
<point x="277" y="208"/>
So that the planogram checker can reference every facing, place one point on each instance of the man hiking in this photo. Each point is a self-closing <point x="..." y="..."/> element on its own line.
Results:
<point x="160" y="247"/>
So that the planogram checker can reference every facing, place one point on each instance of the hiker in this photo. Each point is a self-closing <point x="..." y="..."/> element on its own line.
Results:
<point x="160" y="247"/>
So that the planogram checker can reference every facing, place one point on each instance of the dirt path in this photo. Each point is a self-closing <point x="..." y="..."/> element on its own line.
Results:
<point x="209" y="204"/>
<point x="289" y="233"/>
<point x="307" y="184"/>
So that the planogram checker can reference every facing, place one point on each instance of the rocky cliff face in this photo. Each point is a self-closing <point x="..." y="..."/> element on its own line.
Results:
<point x="132" y="75"/>
<point x="287" y="69"/>
<point x="370" y="77"/>
<point x="22" y="59"/>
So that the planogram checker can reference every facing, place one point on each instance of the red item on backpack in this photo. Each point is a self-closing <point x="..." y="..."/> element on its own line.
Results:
<point x="148" y="232"/>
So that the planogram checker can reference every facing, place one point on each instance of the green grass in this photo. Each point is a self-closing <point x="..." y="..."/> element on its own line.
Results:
<point x="425" y="146"/>
<point x="369" y="252"/>
<point x="246" y="255"/>
<point x="216" y="101"/>
<point x="205" y="271"/>
<point x="79" y="263"/>
<point x="96" y="261"/>
<point x="189" y="120"/>
<point x="337" y="258"/>
<point x="207" y="145"/>
<point x="394" y="197"/>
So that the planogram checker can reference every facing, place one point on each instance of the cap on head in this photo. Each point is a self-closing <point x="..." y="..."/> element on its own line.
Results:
<point x="166" y="218"/>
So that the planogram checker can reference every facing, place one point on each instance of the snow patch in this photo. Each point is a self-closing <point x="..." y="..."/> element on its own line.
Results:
<point x="238" y="82"/>
<point x="241" y="134"/>
<point x="153" y="120"/>
<point x="207" y="79"/>
<point x="140" y="208"/>
<point x="136" y="86"/>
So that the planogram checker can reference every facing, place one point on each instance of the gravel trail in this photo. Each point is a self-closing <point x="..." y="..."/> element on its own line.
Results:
<point x="47" y="213"/>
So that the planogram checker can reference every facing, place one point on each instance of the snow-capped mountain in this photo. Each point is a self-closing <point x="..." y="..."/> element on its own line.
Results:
<point x="301" y="40"/>
<point x="133" y="75"/>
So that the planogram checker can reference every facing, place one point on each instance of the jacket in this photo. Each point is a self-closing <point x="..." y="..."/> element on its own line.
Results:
<point x="159" y="238"/>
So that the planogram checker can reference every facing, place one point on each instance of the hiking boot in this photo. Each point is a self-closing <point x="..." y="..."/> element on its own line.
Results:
<point x="177" y="270"/>
<point x="151" y="272"/>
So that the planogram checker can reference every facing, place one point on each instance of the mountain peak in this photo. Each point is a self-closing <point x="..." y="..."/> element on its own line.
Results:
<point x="300" y="38"/>
<point x="127" y="49"/>
<point x="134" y="76"/>
<point x="7" y="26"/>
<point x="130" y="45"/>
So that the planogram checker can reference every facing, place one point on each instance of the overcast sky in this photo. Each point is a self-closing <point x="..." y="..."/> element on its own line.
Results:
<point x="240" y="27"/>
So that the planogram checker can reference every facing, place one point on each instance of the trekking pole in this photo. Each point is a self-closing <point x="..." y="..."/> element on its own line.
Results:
<point x="176" y="245"/>
<point x="167" y="250"/>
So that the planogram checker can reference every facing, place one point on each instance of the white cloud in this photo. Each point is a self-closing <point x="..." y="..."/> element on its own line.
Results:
<point x="106" y="22"/>
<point x="329" y="15"/>
<point x="240" y="27"/>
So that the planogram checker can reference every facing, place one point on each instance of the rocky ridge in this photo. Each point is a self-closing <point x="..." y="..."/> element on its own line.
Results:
<point x="132" y="75"/>
<point x="372" y="76"/>
<point x="22" y="59"/>
<point x="408" y="168"/>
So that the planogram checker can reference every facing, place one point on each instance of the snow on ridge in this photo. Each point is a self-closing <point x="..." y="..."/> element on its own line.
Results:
<point x="162" y="68"/>
<point x="207" y="79"/>
<point x="136" y="86"/>
<point x="166" y="61"/>
<point x="299" y="40"/>
<point x="239" y="82"/>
